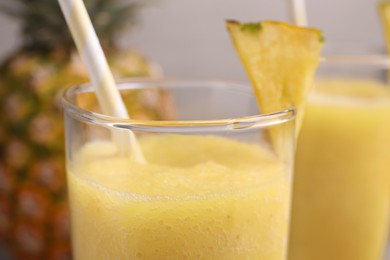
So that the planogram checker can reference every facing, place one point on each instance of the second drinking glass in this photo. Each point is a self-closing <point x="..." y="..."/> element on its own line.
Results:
<point x="341" y="195"/>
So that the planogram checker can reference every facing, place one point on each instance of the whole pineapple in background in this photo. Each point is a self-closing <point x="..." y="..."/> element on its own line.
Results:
<point x="33" y="208"/>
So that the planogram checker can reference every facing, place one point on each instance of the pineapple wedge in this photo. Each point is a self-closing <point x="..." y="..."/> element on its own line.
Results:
<point x="280" y="60"/>
<point x="384" y="12"/>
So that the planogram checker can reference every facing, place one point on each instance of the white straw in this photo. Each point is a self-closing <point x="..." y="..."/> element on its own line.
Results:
<point x="299" y="12"/>
<point x="95" y="61"/>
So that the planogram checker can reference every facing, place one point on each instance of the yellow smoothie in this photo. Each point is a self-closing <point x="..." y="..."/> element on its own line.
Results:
<point x="215" y="199"/>
<point x="341" y="186"/>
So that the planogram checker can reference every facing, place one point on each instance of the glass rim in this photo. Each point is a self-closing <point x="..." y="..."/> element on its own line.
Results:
<point x="377" y="60"/>
<point x="245" y="122"/>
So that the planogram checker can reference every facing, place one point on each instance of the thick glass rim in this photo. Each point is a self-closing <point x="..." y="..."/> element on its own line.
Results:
<point x="245" y="122"/>
<point x="374" y="60"/>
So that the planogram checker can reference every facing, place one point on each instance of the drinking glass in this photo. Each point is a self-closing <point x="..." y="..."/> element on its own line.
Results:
<point x="341" y="188"/>
<point x="216" y="183"/>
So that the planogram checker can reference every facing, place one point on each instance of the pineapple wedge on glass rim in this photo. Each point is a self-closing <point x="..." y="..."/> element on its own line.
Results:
<point x="34" y="221"/>
<point x="280" y="60"/>
<point x="384" y="12"/>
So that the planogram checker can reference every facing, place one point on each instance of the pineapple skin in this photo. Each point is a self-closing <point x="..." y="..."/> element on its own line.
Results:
<point x="34" y="215"/>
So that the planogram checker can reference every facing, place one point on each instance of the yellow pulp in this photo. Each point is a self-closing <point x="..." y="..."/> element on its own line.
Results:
<point x="197" y="198"/>
<point x="341" y="185"/>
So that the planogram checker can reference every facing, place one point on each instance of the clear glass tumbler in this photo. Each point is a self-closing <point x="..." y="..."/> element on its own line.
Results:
<point x="341" y="198"/>
<point x="216" y="183"/>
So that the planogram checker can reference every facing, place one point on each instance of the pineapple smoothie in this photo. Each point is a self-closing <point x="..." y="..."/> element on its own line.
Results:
<point x="341" y="188"/>
<point x="216" y="199"/>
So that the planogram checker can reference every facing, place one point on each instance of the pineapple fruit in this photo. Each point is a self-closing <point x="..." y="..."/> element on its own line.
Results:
<point x="34" y="220"/>
<point x="384" y="12"/>
<point x="280" y="60"/>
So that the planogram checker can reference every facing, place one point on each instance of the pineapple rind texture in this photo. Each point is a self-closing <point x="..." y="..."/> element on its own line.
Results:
<point x="34" y="218"/>
<point x="32" y="170"/>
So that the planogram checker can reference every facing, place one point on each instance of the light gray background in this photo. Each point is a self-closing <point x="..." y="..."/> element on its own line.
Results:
<point x="188" y="37"/>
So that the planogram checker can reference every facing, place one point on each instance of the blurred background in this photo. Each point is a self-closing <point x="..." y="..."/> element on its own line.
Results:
<point x="188" y="38"/>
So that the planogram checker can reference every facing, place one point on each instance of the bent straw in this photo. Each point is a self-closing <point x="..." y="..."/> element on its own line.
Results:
<point x="299" y="12"/>
<point x="92" y="54"/>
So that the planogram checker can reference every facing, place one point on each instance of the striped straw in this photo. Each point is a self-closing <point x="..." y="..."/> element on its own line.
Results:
<point x="299" y="12"/>
<point x="92" y="54"/>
